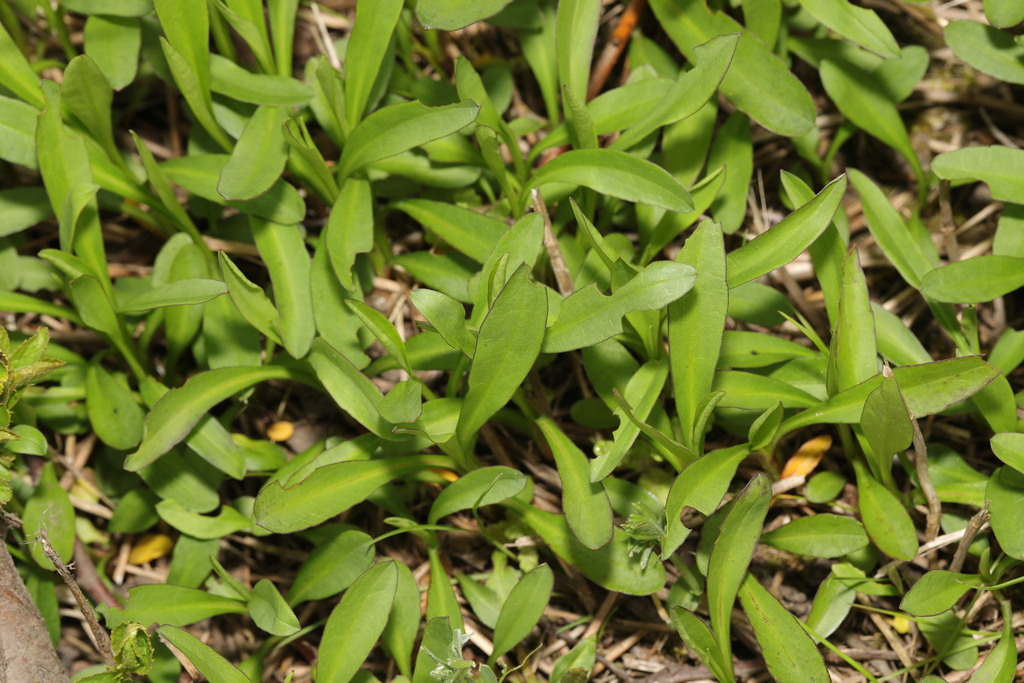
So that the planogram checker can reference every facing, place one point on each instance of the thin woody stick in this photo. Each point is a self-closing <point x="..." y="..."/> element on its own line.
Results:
<point x="565" y="285"/>
<point x="98" y="632"/>
<point x="614" y="47"/>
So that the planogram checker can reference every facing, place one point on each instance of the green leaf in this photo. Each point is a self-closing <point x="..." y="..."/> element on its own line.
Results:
<point x="575" y="33"/>
<point x="1003" y="13"/>
<point x="696" y="321"/>
<point x="522" y="609"/>
<point x="330" y="490"/>
<point x="230" y="79"/>
<point x="789" y="652"/>
<point x="585" y="503"/>
<point x="884" y="517"/>
<point x="200" y="173"/>
<point x="18" y="132"/>
<point x="171" y="605"/>
<point x="195" y="89"/>
<point x="758" y="83"/>
<point x="688" y="93"/>
<point x="859" y="96"/>
<point x="732" y="552"/>
<point x="746" y="349"/>
<point x="928" y="389"/>
<point x="113" y="43"/>
<point x="116" y="8"/>
<point x="1009" y="447"/>
<point x="472" y="233"/>
<point x="910" y="257"/>
<point x="205" y="659"/>
<point x="451" y="15"/>
<point x="987" y="49"/>
<point x="50" y="510"/>
<point x="701" y="486"/>
<point x="447" y="316"/>
<point x="610" y="566"/>
<point x="187" y="292"/>
<point x="588" y="317"/>
<point x="367" y="45"/>
<point x="858" y="24"/>
<point x="269" y="610"/>
<point x="783" y="242"/>
<point x="249" y="300"/>
<point x="351" y="390"/>
<point x="823" y="535"/>
<point x="831" y="604"/>
<point x="403" y="624"/>
<point x="1005" y="494"/>
<point x="284" y="253"/>
<point x="484" y="486"/>
<point x="642" y="393"/>
<point x="332" y="567"/>
<point x="699" y="638"/>
<point x="179" y="410"/>
<point x="401" y="127"/>
<point x="356" y="623"/>
<point x="258" y="158"/>
<point x="16" y="75"/>
<point x="507" y="345"/>
<point x="88" y="97"/>
<point x="937" y="591"/>
<point x="350" y="228"/>
<point x="115" y="416"/>
<point x="887" y="425"/>
<point x="854" y="356"/>
<point x="974" y="280"/>
<point x="1000" y="665"/>
<point x="616" y="174"/>
<point x="229" y="521"/>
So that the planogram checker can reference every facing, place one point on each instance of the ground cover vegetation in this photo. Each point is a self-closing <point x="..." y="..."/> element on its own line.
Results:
<point x="462" y="340"/>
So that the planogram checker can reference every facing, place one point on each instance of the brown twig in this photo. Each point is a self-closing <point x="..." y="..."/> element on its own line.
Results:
<point x="98" y="632"/>
<point x="948" y="226"/>
<point x="925" y="480"/>
<point x="973" y="527"/>
<point x="565" y="285"/>
<point x="614" y="47"/>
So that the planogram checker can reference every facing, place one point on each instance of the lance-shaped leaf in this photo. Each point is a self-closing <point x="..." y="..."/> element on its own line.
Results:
<point x="485" y="486"/>
<point x="179" y="410"/>
<point x="356" y="623"/>
<point x="937" y="591"/>
<point x="1005" y="493"/>
<point x="204" y="658"/>
<point x="616" y="174"/>
<point x="448" y="317"/>
<point x="507" y="345"/>
<point x="732" y="552"/>
<point x="824" y="535"/>
<point x="1009" y="447"/>
<point x="696" y="322"/>
<point x="789" y="651"/>
<point x="15" y="72"/>
<point x="285" y="256"/>
<point x="258" y="158"/>
<point x="928" y="388"/>
<point x="585" y="503"/>
<point x="974" y="280"/>
<point x="858" y="24"/>
<point x="783" y="242"/>
<point x="332" y="489"/>
<point x="87" y="96"/>
<point x="400" y="127"/>
<point x="699" y="638"/>
<point x="575" y="32"/>
<point x="758" y="82"/>
<point x="588" y="317"/>
<point x="522" y="609"/>
<point x="451" y="15"/>
<point x="368" y="43"/>
<point x="471" y="232"/>
<point x="987" y="49"/>
<point x="611" y="566"/>
<point x="642" y="393"/>
<point x="689" y="92"/>
<point x="884" y="517"/>
<point x="701" y="486"/>
<point x="887" y="425"/>
<point x="854" y="356"/>
<point x="230" y="79"/>
<point x="187" y="292"/>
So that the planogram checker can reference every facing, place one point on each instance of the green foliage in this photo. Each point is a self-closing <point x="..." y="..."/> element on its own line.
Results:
<point x="458" y="290"/>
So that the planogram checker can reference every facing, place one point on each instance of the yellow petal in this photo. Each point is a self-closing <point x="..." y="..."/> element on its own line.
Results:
<point x="149" y="548"/>
<point x="282" y="430"/>
<point x="807" y="457"/>
<point x="900" y="624"/>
